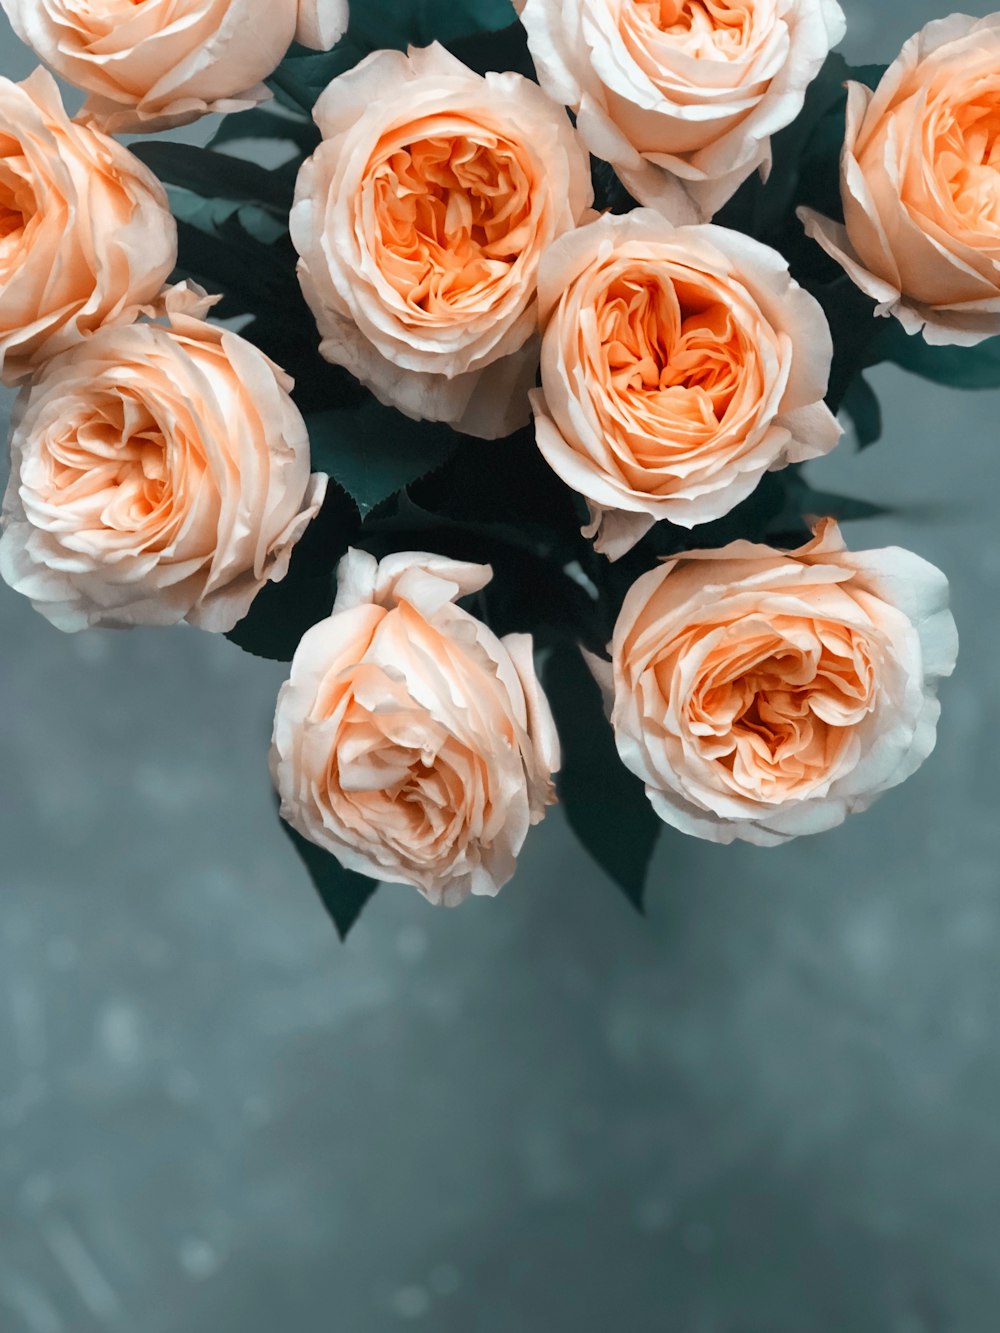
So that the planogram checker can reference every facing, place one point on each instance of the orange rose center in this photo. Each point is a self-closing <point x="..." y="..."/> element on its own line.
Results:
<point x="112" y="469"/>
<point x="17" y="200"/>
<point x="673" y="356"/>
<point x="394" y="766"/>
<point x="968" y="159"/>
<point x="400" y="772"/>
<point x="725" y="25"/>
<point x="452" y="216"/>
<point x="775" y="704"/>
<point x="97" y="18"/>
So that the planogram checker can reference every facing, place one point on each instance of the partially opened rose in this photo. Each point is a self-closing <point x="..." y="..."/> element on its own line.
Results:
<point x="157" y="63"/>
<point x="681" y="96"/>
<point x="158" y="474"/>
<point x="409" y="740"/>
<point x="761" y="694"/>
<point x="920" y="184"/>
<point x="86" y="235"/>
<point x="678" y="366"/>
<point x="421" y="220"/>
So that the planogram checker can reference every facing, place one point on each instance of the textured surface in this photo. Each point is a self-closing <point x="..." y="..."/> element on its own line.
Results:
<point x="770" y="1108"/>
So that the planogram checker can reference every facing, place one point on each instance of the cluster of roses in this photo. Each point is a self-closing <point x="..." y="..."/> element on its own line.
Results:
<point x="448" y="249"/>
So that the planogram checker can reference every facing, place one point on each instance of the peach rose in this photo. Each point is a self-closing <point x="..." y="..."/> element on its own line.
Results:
<point x="678" y="366"/>
<point x="764" y="694"/>
<point x="920" y="184"/>
<point x="410" y="741"/>
<point x="86" y="235"/>
<point x="158" y="473"/>
<point x="681" y="96"/>
<point x="158" y="63"/>
<point x="420" y="221"/>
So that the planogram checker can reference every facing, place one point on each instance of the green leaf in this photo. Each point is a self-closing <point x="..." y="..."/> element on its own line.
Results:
<point x="232" y="263"/>
<point x="959" y="367"/>
<point x="844" y="508"/>
<point x="809" y="147"/>
<point x="531" y="590"/>
<point x="496" y="49"/>
<point x="862" y="406"/>
<point x="213" y="215"/>
<point x="605" y="804"/>
<point x="260" y="123"/>
<point x="218" y="175"/>
<point x="855" y="328"/>
<point x="403" y="23"/>
<point x="342" y="892"/>
<point x="610" y="195"/>
<point x="802" y="501"/>
<point x="282" y="612"/>
<point x="750" y="520"/>
<point x="502" y="481"/>
<point x="870" y="75"/>
<point x="374" y="451"/>
<point x="484" y="33"/>
<point x="302" y="75"/>
<point x="287" y="334"/>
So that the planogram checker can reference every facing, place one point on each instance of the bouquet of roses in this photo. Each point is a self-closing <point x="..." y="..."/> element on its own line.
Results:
<point x="471" y="368"/>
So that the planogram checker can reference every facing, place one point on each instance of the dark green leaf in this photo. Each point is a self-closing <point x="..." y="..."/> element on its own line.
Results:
<point x="605" y="804"/>
<point x="807" y="149"/>
<point x="803" y="502"/>
<point x="610" y="195"/>
<point x="535" y="584"/>
<point x="844" y="508"/>
<point x="869" y="75"/>
<point x="302" y="75"/>
<point x="483" y="33"/>
<point x="501" y="481"/>
<point x="282" y="612"/>
<point x="805" y="171"/>
<point x="287" y="333"/>
<point x="534" y="592"/>
<point x="750" y="520"/>
<point x="862" y="406"/>
<point x="402" y="23"/>
<point x="506" y="49"/>
<point x="261" y="123"/>
<point x="212" y="215"/>
<point x="231" y="262"/>
<point x="217" y="175"/>
<point x="959" y="367"/>
<point x="342" y="892"/>
<point x="855" y="328"/>
<point x="373" y="451"/>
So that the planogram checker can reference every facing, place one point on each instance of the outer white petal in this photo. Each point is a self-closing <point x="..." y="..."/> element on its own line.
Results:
<point x="321" y="23"/>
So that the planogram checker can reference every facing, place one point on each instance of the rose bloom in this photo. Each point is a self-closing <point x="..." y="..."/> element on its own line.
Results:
<point x="681" y="96"/>
<point x="158" y="474"/>
<point x="920" y="184"/>
<point x="86" y="235"/>
<point x="678" y="366"/>
<point x="420" y="221"/>
<point x="410" y="741"/>
<point x="158" y="63"/>
<point x="763" y="694"/>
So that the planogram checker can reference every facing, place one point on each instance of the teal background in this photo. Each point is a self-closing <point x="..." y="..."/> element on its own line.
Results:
<point x="771" y="1107"/>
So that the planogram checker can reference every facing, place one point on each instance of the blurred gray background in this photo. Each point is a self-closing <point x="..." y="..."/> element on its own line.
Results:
<point x="771" y="1107"/>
